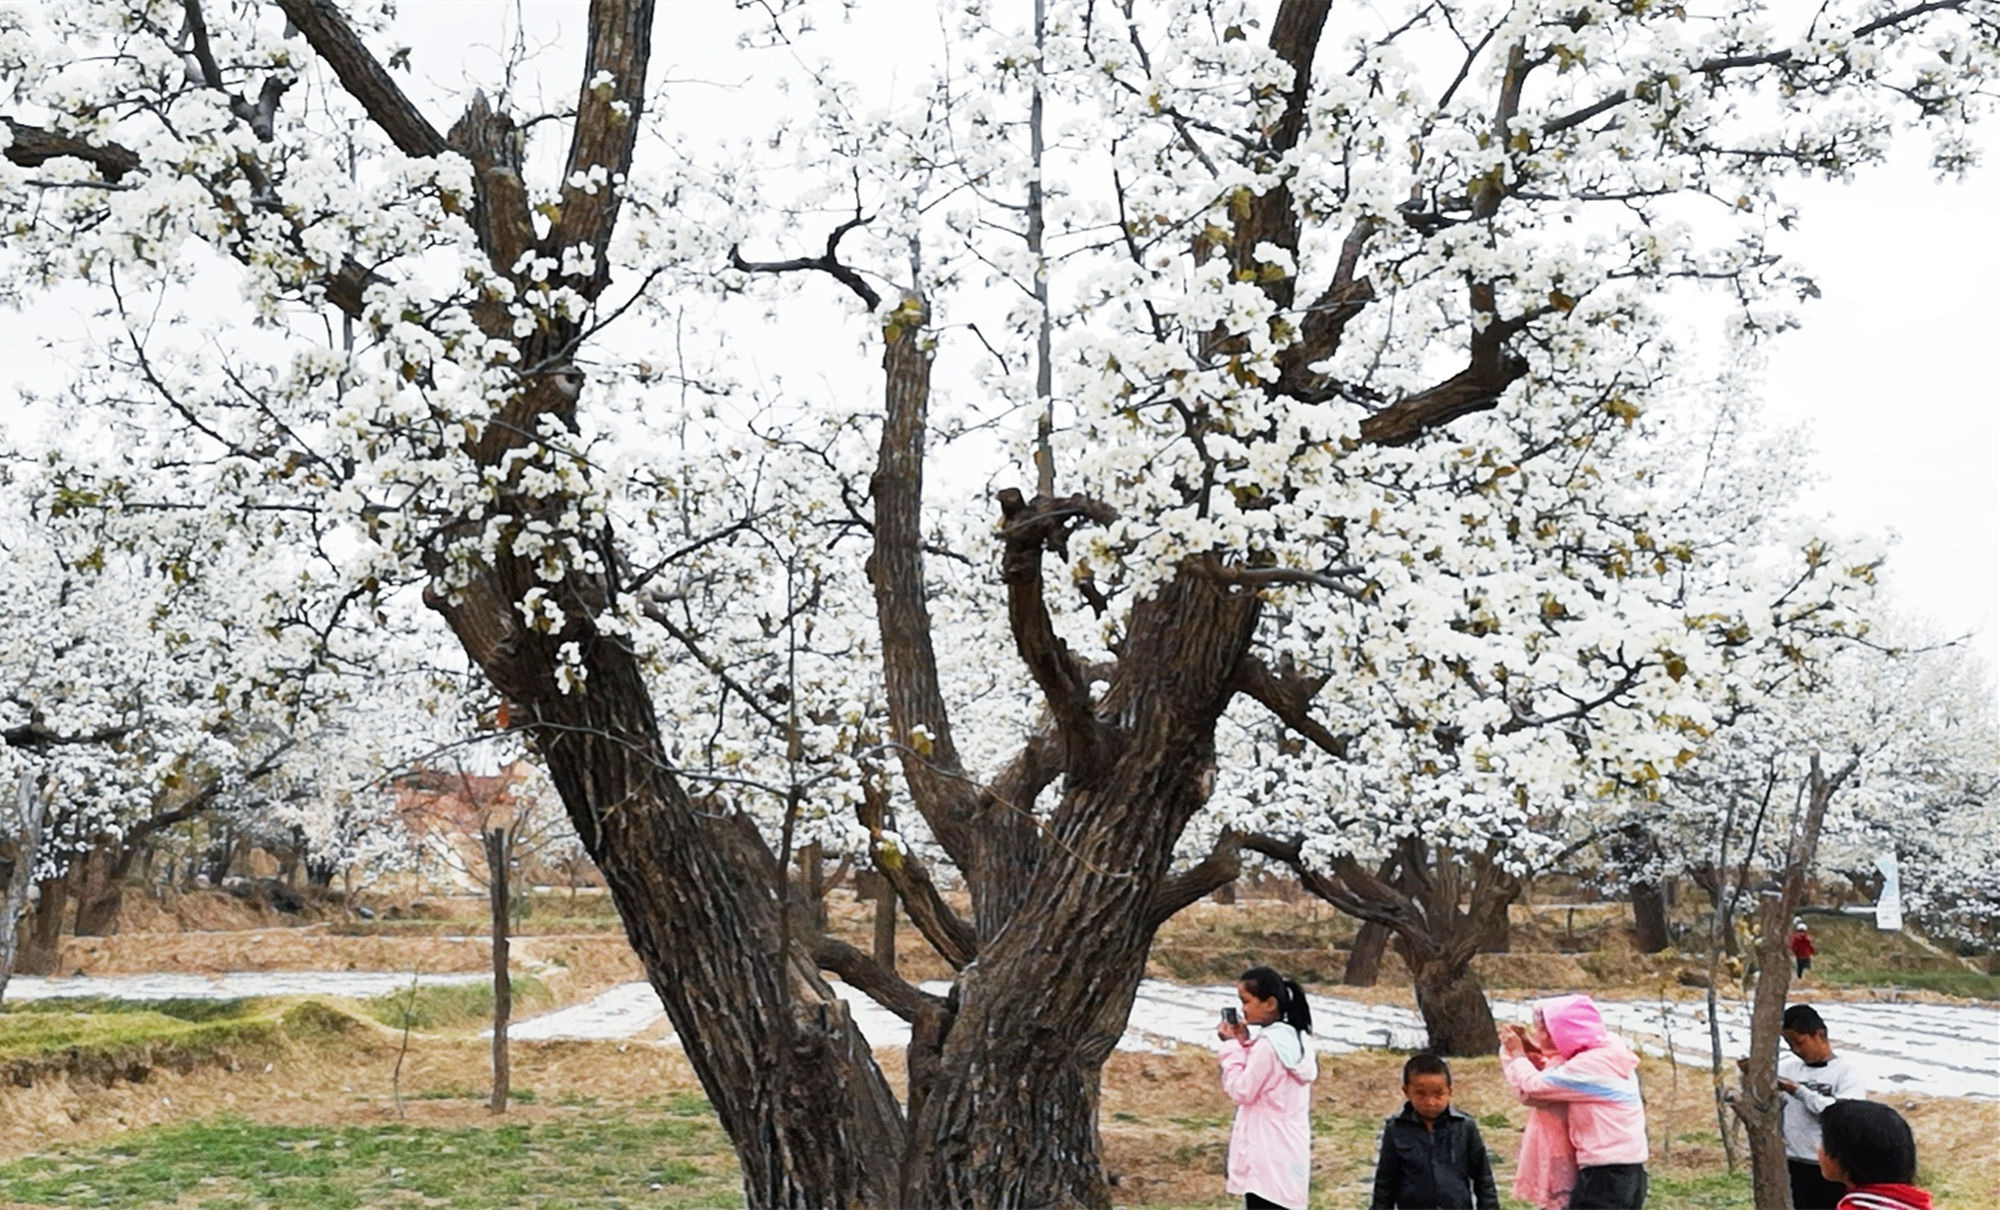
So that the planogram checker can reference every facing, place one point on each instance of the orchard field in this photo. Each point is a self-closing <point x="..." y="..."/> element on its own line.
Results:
<point x="263" y="1102"/>
<point x="1038" y="465"/>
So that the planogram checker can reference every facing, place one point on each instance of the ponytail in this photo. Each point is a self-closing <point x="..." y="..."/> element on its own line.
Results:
<point x="1298" y="1014"/>
<point x="1267" y="984"/>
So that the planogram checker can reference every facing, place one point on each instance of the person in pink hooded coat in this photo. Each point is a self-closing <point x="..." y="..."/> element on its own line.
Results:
<point x="1574" y="1067"/>
<point x="1270" y="1078"/>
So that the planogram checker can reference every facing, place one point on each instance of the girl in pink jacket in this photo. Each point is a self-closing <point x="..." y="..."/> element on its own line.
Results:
<point x="1270" y="1078"/>
<point x="1574" y="1067"/>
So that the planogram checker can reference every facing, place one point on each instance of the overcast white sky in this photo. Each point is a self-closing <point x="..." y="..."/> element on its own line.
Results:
<point x="1895" y="372"/>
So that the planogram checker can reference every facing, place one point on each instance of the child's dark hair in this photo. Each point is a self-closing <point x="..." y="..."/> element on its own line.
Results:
<point x="1870" y="1141"/>
<point x="1426" y="1065"/>
<point x="1267" y="984"/>
<point x="1803" y="1019"/>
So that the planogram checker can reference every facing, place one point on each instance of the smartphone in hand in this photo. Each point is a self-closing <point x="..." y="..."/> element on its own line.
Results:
<point x="1230" y="1016"/>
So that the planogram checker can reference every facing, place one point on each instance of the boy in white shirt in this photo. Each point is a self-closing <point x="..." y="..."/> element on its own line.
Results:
<point x="1811" y="1078"/>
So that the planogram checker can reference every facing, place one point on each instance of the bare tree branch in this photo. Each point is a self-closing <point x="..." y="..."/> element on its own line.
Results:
<point x="1177" y="891"/>
<point x="946" y="931"/>
<point x="1065" y="682"/>
<point x="883" y="986"/>
<point x="609" y="103"/>
<point x="364" y="78"/>
<point x="827" y="262"/>
<point x="32" y="146"/>
<point x="1337" y="578"/>
<point x="1288" y="693"/>
<point x="1726" y="63"/>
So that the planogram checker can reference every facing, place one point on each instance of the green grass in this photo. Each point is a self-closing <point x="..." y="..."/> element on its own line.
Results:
<point x="1854" y="953"/>
<point x="1706" y="1191"/>
<point x="180" y="1010"/>
<point x="77" y="1031"/>
<point x="125" y="1040"/>
<point x="453" y="1005"/>
<point x="668" y="1155"/>
<point x="515" y="1096"/>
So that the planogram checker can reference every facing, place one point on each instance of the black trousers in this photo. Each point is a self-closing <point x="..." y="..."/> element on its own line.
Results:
<point x="1609" y="1187"/>
<point x="1810" y="1189"/>
<point x="1252" y="1202"/>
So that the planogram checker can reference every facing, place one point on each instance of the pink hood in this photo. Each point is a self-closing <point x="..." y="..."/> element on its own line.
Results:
<point x="1595" y="1084"/>
<point x="1572" y="1022"/>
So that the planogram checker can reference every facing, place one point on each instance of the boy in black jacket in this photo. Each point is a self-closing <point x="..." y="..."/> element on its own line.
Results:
<point x="1432" y="1155"/>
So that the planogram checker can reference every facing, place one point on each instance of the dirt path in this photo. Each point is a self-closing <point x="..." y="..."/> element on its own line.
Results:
<point x="1935" y="1049"/>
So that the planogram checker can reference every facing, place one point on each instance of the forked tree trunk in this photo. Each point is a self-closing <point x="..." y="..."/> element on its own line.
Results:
<point x="813" y="1121"/>
<point x="1364" y="961"/>
<point x="1011" y="1116"/>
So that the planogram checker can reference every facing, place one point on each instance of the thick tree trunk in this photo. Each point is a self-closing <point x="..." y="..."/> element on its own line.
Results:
<point x="100" y="895"/>
<point x="1649" y="917"/>
<point x="1453" y="1005"/>
<point x="1011" y="1116"/>
<point x="503" y="989"/>
<point x="1364" y="961"/>
<point x="30" y="817"/>
<point x="791" y="1079"/>
<point x="41" y="938"/>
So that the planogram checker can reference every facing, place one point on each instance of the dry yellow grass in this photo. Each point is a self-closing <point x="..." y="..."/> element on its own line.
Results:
<point x="1164" y="1118"/>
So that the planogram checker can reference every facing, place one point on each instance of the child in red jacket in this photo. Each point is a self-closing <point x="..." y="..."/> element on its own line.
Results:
<point x="1803" y="948"/>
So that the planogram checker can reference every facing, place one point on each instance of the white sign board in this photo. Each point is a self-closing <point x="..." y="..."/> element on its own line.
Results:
<point x="1889" y="905"/>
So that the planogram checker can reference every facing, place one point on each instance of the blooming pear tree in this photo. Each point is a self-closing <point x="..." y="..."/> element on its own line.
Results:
<point x="1522" y="735"/>
<point x="149" y="684"/>
<point x="1832" y="749"/>
<point x="1928" y="796"/>
<point x="1316" y="334"/>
